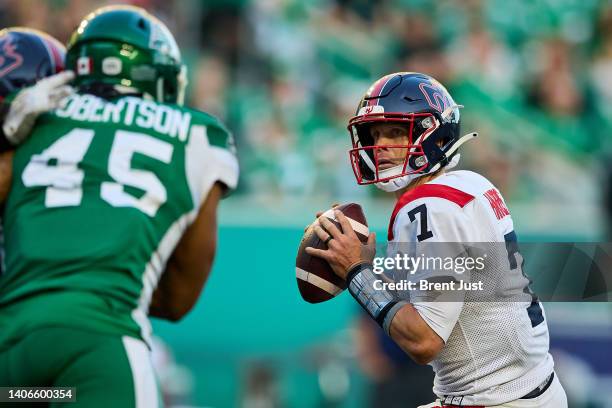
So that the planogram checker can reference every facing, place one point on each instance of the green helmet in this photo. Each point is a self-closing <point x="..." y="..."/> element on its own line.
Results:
<point x="126" y="50"/>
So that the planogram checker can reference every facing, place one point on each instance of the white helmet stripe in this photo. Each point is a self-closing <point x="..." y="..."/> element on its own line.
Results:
<point x="364" y="156"/>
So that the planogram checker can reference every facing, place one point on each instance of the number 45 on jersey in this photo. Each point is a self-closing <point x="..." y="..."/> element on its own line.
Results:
<point x="64" y="181"/>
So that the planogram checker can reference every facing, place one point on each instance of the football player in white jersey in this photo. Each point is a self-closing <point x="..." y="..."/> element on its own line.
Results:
<point x="486" y="352"/>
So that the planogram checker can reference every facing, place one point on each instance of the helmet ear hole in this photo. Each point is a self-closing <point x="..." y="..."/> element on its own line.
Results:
<point x="442" y="143"/>
<point x="169" y="91"/>
<point x="181" y="85"/>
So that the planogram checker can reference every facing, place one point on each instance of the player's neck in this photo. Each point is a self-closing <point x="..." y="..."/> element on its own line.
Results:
<point x="417" y="182"/>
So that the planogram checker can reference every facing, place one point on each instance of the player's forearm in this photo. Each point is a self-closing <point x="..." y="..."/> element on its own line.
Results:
<point x="398" y="318"/>
<point x="180" y="286"/>
<point x="189" y="266"/>
<point x="161" y="305"/>
<point x="174" y="298"/>
<point x="167" y="311"/>
<point x="164" y="305"/>
<point x="414" y="336"/>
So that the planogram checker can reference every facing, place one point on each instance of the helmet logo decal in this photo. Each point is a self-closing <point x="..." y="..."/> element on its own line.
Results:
<point x="366" y="110"/>
<point x="111" y="66"/>
<point x="84" y="66"/>
<point x="435" y="96"/>
<point x="10" y="59"/>
<point x="420" y="161"/>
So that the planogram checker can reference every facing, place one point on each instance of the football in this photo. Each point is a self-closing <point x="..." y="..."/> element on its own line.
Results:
<point x="316" y="280"/>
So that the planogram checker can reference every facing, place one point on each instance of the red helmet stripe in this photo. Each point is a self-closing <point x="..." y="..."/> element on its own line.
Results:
<point x="378" y="87"/>
<point x="54" y="53"/>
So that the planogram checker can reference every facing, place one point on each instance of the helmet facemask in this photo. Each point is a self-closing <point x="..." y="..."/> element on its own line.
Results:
<point x="371" y="162"/>
<point x="430" y="138"/>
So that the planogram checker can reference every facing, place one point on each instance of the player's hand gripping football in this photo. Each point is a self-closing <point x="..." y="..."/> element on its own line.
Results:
<point x="30" y="102"/>
<point x="345" y="250"/>
<point x="318" y="214"/>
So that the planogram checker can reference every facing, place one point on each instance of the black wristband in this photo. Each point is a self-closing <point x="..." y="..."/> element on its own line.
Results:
<point x="356" y="269"/>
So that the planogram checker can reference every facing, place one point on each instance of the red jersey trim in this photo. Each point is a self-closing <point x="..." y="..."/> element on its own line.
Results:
<point x="461" y="198"/>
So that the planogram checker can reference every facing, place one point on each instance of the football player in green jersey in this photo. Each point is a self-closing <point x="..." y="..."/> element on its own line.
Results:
<point x="111" y="216"/>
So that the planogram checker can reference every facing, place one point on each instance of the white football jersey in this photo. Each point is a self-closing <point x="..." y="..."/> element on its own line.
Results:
<point x="495" y="350"/>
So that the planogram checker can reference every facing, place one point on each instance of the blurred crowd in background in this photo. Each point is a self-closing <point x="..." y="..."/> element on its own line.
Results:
<point x="535" y="78"/>
<point x="286" y="75"/>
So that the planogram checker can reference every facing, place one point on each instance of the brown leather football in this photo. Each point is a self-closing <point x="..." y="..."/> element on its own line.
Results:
<point x="316" y="279"/>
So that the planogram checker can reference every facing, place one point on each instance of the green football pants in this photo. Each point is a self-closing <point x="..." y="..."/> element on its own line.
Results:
<point x="107" y="371"/>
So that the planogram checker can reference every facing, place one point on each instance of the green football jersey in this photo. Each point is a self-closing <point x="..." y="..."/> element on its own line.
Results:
<point x="102" y="192"/>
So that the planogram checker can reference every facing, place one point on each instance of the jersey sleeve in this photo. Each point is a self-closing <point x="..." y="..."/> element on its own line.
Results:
<point x="223" y="149"/>
<point x="433" y="229"/>
<point x="210" y="158"/>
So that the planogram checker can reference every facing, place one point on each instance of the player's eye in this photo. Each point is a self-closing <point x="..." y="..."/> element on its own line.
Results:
<point x="398" y="132"/>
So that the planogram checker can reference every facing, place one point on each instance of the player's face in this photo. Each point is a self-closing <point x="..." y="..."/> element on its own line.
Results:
<point x="390" y="134"/>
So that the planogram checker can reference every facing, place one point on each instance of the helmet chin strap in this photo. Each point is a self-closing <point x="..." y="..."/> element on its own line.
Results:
<point x="395" y="183"/>
<point x="453" y="162"/>
<point x="398" y="183"/>
<point x="454" y="148"/>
